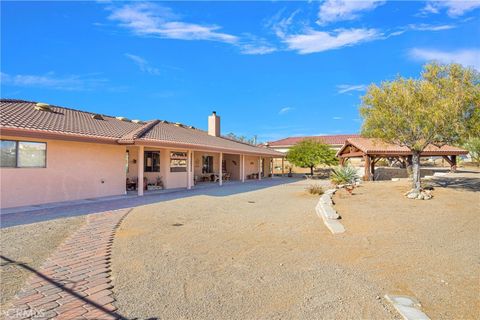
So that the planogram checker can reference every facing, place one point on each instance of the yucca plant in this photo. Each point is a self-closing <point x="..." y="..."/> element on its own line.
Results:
<point x="344" y="175"/>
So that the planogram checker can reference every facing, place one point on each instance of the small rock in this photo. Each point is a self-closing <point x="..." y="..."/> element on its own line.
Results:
<point x="413" y="195"/>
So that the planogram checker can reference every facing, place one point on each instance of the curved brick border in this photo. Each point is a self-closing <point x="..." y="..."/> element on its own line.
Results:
<point x="74" y="282"/>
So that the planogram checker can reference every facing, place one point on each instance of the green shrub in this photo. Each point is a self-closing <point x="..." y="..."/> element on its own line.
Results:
<point x="315" y="189"/>
<point x="344" y="175"/>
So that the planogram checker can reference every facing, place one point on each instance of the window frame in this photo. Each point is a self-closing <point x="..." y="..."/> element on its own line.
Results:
<point x="17" y="143"/>
<point x="152" y="166"/>
<point x="178" y="156"/>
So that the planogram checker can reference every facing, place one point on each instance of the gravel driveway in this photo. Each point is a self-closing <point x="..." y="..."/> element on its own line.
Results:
<point x="246" y="255"/>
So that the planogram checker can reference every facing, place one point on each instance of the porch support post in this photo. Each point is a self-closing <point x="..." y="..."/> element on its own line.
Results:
<point x="242" y="165"/>
<point x="192" y="161"/>
<point x="220" y="171"/>
<point x="283" y="166"/>
<point x="271" y="168"/>
<point x="140" y="164"/>
<point x="259" y="168"/>
<point x="189" y="169"/>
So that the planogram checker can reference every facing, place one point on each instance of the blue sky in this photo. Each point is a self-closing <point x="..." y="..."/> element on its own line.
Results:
<point x="272" y="69"/>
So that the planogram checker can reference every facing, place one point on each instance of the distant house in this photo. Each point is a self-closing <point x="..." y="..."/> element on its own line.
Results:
<point x="51" y="153"/>
<point x="335" y="141"/>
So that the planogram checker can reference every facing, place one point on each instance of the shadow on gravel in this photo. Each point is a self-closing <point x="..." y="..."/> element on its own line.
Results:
<point x="469" y="184"/>
<point x="8" y="261"/>
<point x="71" y="210"/>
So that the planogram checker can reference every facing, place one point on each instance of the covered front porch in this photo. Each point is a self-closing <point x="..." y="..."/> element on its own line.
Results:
<point x="152" y="169"/>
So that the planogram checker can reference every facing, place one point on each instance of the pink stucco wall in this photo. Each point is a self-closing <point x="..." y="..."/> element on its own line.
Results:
<point x="170" y="179"/>
<point x="75" y="170"/>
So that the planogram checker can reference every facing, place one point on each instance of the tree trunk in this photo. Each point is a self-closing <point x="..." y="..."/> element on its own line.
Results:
<point x="311" y="171"/>
<point x="416" y="170"/>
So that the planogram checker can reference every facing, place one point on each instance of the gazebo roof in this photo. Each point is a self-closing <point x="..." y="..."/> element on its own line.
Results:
<point x="358" y="147"/>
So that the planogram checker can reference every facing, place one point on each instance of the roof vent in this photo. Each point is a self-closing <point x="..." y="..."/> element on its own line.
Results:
<point x="42" y="106"/>
<point x="123" y="119"/>
<point x="137" y="121"/>
<point x="97" y="116"/>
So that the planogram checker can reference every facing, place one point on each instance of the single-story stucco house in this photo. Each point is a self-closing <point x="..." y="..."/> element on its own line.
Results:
<point x="283" y="145"/>
<point x="52" y="154"/>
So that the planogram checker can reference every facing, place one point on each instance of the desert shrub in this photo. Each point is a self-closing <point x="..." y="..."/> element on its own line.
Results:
<point x="315" y="189"/>
<point x="344" y="175"/>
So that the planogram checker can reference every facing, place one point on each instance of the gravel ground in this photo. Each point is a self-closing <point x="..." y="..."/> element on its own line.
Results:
<point x="30" y="244"/>
<point x="426" y="249"/>
<point x="263" y="254"/>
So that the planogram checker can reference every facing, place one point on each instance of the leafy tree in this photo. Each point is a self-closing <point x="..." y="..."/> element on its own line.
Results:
<point x="310" y="153"/>
<point x="473" y="147"/>
<point x="441" y="107"/>
<point x="233" y="136"/>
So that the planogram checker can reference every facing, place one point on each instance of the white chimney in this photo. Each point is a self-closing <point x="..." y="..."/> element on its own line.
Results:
<point x="214" y="125"/>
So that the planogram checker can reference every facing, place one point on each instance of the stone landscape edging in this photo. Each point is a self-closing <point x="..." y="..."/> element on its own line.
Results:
<point x="329" y="215"/>
<point x="408" y="307"/>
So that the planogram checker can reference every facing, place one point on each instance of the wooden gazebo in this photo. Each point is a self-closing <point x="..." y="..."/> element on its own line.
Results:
<point x="372" y="150"/>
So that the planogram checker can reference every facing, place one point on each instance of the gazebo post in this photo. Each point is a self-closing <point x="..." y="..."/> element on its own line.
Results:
<point x="366" y="176"/>
<point x="342" y="161"/>
<point x="452" y="161"/>
<point x="453" y="167"/>
<point x="372" y="168"/>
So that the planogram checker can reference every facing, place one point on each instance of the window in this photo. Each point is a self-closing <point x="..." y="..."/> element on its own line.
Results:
<point x="178" y="161"/>
<point x="9" y="154"/>
<point x="23" y="154"/>
<point x="207" y="166"/>
<point x="152" y="161"/>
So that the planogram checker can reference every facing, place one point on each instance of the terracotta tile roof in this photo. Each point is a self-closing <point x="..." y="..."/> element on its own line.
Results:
<point x="337" y="139"/>
<point x="169" y="132"/>
<point x="19" y="114"/>
<point x="373" y="146"/>
<point x="22" y="114"/>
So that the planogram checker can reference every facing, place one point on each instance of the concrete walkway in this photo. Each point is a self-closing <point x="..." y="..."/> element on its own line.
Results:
<point x="26" y="215"/>
<point x="74" y="283"/>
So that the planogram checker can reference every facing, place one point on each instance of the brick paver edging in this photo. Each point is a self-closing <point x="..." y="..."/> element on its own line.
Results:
<point x="74" y="282"/>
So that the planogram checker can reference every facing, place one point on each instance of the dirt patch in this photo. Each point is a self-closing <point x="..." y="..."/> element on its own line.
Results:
<point x="29" y="244"/>
<point x="247" y="255"/>
<point x="426" y="249"/>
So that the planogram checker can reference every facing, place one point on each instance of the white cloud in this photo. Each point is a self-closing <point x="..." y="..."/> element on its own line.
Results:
<point x="285" y="110"/>
<point x="345" y="88"/>
<point x="256" y="49"/>
<point x="341" y="10"/>
<point x="466" y="57"/>
<point x="142" y="64"/>
<point x="52" y="81"/>
<point x="429" y="27"/>
<point x="150" y="19"/>
<point x="317" y="41"/>
<point x="251" y="44"/>
<point x="337" y="118"/>
<point x="454" y="8"/>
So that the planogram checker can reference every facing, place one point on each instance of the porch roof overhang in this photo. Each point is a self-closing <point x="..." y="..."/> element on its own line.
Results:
<point x="359" y="147"/>
<point x="204" y="147"/>
<point x="55" y="135"/>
